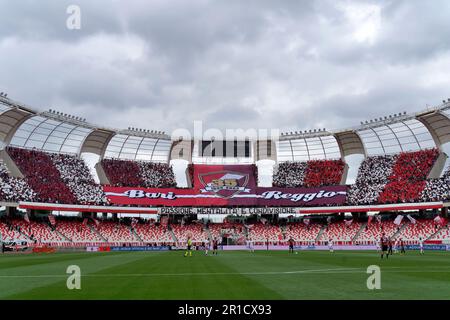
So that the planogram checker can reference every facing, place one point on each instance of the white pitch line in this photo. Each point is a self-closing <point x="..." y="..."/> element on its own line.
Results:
<point x="310" y="271"/>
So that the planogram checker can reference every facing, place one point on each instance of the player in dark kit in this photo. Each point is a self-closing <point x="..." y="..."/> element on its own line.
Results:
<point x="390" y="247"/>
<point x="215" y="246"/>
<point x="402" y="247"/>
<point x="291" y="245"/>
<point x="384" y="246"/>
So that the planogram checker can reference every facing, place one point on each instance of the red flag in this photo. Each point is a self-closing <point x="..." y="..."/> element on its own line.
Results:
<point x="96" y="222"/>
<point x="348" y="222"/>
<point x="85" y="221"/>
<point x="369" y="219"/>
<point x="441" y="221"/>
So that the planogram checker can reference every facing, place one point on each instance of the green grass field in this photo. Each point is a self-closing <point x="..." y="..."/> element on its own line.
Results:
<point x="230" y="275"/>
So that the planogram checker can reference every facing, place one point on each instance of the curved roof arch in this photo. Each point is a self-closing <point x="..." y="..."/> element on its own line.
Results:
<point x="132" y="147"/>
<point x="97" y="141"/>
<point x="308" y="148"/>
<point x="394" y="137"/>
<point x="438" y="123"/>
<point x="50" y="135"/>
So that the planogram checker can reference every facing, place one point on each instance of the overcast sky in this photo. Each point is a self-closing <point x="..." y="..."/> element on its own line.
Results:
<point x="233" y="64"/>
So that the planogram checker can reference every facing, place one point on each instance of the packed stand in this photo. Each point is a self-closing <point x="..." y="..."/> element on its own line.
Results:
<point x="14" y="189"/>
<point x="437" y="189"/>
<point x="76" y="175"/>
<point x="42" y="176"/>
<point x="126" y="173"/>
<point x="313" y="173"/>
<point x="372" y="177"/>
<point x="324" y="173"/>
<point x="408" y="177"/>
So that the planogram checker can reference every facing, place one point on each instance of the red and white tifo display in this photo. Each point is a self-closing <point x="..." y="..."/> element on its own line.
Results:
<point x="226" y="186"/>
<point x="63" y="182"/>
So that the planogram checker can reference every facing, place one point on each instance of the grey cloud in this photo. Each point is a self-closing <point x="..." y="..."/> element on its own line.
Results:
<point x="163" y="64"/>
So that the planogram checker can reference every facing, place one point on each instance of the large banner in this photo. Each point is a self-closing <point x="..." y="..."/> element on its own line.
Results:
<point x="215" y="195"/>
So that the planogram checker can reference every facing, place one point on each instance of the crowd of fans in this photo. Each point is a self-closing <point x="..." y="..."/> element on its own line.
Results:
<point x="157" y="175"/>
<point x="59" y="178"/>
<point x="290" y="175"/>
<point x="313" y="173"/>
<point x="324" y="173"/>
<point x="126" y="173"/>
<point x="14" y="189"/>
<point x="437" y="189"/>
<point x="372" y="177"/>
<point x="122" y="173"/>
<point x="76" y="175"/>
<point x="42" y="176"/>
<point x="408" y="176"/>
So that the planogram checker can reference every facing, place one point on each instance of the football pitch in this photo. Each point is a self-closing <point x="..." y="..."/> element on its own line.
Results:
<point x="230" y="275"/>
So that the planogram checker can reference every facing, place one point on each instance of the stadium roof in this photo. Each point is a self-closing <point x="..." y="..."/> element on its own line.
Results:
<point x="52" y="131"/>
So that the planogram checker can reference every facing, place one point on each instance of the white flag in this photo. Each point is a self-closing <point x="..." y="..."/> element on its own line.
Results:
<point x="348" y="222"/>
<point x="398" y="219"/>
<point x="413" y="221"/>
<point x="306" y="221"/>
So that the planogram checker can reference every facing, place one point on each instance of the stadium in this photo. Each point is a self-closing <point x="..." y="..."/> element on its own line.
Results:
<point x="167" y="151"/>
<point x="54" y="206"/>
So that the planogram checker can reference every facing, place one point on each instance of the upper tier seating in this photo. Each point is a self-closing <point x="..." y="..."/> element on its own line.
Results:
<point x="407" y="179"/>
<point x="437" y="189"/>
<point x="14" y="189"/>
<point x="127" y="173"/>
<point x="313" y="173"/>
<point x="42" y="175"/>
<point x="75" y="173"/>
<point x="372" y="177"/>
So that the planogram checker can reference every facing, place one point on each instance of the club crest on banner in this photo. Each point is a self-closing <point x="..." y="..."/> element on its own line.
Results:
<point x="224" y="184"/>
